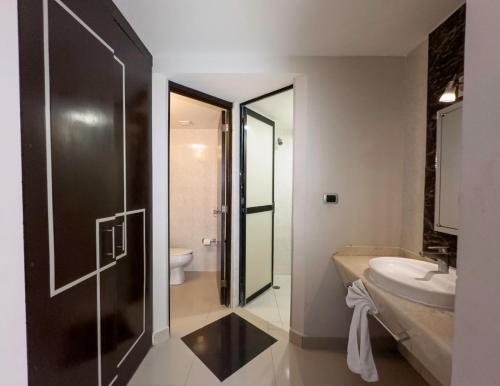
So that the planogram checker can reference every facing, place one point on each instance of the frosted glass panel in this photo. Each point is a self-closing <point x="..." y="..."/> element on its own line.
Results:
<point x="259" y="142"/>
<point x="258" y="251"/>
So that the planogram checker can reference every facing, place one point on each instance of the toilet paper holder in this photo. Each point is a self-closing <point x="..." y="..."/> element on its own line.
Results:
<point x="208" y="242"/>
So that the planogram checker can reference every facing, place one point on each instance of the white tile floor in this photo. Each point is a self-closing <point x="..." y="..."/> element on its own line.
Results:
<point x="195" y="304"/>
<point x="274" y="304"/>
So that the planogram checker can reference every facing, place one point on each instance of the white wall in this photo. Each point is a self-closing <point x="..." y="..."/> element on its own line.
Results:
<point x="13" y="356"/>
<point x="283" y="186"/>
<point x="193" y="193"/>
<point x="299" y="265"/>
<point x="476" y="348"/>
<point x="349" y="121"/>
<point x="354" y="148"/>
<point x="415" y="133"/>
<point x="235" y="210"/>
<point x="160" y="203"/>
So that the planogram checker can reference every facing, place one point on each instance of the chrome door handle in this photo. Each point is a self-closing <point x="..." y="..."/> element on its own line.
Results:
<point x="123" y="235"/>
<point x="112" y="253"/>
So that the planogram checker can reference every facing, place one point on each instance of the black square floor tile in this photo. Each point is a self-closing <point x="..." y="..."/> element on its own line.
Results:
<point x="228" y="344"/>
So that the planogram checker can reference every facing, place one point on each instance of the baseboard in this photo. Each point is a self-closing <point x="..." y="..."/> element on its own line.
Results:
<point x="294" y="337"/>
<point x="161" y="336"/>
<point x="317" y="342"/>
<point x="379" y="343"/>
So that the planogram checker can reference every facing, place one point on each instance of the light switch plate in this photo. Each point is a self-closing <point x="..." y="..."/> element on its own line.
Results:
<point x="331" y="198"/>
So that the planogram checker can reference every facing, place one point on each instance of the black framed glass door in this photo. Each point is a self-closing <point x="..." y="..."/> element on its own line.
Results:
<point x="257" y="204"/>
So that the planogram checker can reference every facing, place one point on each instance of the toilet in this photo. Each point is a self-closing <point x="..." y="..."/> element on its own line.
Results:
<point x="179" y="258"/>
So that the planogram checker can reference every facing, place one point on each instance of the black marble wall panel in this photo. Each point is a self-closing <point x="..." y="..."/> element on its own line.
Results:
<point x="446" y="59"/>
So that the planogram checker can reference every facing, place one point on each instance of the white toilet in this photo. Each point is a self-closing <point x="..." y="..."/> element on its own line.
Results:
<point x="179" y="258"/>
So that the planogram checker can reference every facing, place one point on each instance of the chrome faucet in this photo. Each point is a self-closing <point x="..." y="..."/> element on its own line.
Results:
<point x="441" y="256"/>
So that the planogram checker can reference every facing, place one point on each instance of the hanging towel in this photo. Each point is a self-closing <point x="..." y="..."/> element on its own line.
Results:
<point x="359" y="350"/>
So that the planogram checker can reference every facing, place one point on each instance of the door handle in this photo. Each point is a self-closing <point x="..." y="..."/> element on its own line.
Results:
<point x="112" y="253"/>
<point x="123" y="236"/>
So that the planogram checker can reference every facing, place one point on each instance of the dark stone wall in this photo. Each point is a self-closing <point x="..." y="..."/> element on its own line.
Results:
<point x="446" y="59"/>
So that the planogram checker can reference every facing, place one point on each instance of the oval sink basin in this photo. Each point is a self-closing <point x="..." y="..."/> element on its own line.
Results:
<point x="414" y="280"/>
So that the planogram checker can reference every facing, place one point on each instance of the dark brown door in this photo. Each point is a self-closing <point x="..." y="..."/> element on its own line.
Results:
<point x="85" y="105"/>
<point x="222" y="208"/>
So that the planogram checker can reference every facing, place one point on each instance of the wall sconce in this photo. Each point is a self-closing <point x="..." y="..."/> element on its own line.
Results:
<point x="450" y="92"/>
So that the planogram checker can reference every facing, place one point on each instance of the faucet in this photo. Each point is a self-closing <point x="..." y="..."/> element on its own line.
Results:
<point x="441" y="256"/>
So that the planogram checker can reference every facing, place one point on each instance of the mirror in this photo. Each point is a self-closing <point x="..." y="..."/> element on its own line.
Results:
<point x="448" y="165"/>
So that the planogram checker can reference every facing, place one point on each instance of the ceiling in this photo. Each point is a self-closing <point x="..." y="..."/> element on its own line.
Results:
<point x="278" y="108"/>
<point x="286" y="27"/>
<point x="200" y="115"/>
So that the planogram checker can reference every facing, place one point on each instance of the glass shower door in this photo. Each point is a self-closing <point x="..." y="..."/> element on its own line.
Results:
<point x="257" y="203"/>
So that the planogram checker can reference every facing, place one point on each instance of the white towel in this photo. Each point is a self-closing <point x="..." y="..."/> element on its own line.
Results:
<point x="359" y="350"/>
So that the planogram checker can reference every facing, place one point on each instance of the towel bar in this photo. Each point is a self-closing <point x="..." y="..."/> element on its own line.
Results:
<point x="401" y="337"/>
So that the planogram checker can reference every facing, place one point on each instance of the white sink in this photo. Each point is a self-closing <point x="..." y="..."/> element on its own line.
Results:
<point x="414" y="280"/>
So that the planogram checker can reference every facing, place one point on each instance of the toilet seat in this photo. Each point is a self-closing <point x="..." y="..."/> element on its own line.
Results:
<point x="180" y="251"/>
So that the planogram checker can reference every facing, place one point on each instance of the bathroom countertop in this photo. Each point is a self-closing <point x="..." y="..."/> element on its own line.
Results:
<point x="430" y="329"/>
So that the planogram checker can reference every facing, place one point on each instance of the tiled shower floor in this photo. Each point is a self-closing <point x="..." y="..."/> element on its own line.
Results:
<point x="274" y="304"/>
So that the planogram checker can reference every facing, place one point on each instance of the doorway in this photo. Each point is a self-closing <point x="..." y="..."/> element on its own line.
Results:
<point x="266" y="169"/>
<point x="199" y="206"/>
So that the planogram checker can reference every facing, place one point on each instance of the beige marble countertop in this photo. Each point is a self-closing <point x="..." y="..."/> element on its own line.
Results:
<point x="430" y="329"/>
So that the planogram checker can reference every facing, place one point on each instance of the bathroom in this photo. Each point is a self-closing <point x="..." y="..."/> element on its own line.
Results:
<point x="194" y="193"/>
<point x="299" y="194"/>
<point x="363" y="187"/>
